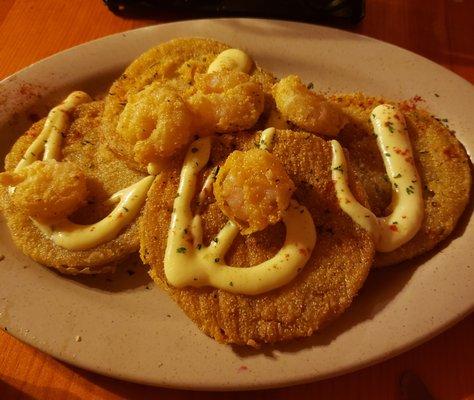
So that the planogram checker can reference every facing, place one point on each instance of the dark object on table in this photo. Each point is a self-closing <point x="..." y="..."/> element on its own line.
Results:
<point x="413" y="388"/>
<point x="339" y="12"/>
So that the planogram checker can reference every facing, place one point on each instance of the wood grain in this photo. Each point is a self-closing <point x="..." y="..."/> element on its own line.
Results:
<point x="441" y="30"/>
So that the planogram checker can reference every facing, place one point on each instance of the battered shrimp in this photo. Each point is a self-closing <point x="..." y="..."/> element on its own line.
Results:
<point x="47" y="190"/>
<point x="306" y="109"/>
<point x="226" y="101"/>
<point x="253" y="189"/>
<point x="157" y="122"/>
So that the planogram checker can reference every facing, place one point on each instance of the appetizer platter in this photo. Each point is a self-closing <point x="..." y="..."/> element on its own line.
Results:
<point x="187" y="206"/>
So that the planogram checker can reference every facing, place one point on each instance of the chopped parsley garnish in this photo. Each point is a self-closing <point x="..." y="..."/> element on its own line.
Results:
<point x="215" y="240"/>
<point x="410" y="189"/>
<point x="126" y="209"/>
<point x="338" y="168"/>
<point x="199" y="246"/>
<point x="387" y="154"/>
<point x="216" y="260"/>
<point x="389" y="125"/>
<point x="398" y="176"/>
<point x="181" y="250"/>
<point x="310" y="85"/>
<point x="231" y="283"/>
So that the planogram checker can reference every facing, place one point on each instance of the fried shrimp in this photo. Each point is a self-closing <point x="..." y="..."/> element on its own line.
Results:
<point x="253" y="189"/>
<point x="306" y="109"/>
<point x="226" y="101"/>
<point x="182" y="65"/>
<point x="156" y="122"/>
<point x="48" y="189"/>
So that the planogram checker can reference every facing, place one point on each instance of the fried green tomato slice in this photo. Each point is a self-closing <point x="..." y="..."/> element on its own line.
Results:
<point x="440" y="158"/>
<point x="324" y="288"/>
<point x="104" y="174"/>
<point x="221" y="102"/>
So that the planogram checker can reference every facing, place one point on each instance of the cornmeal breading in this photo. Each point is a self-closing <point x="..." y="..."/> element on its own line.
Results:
<point x="327" y="284"/>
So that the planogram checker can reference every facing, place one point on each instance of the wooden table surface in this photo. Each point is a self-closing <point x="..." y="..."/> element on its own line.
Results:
<point x="442" y="30"/>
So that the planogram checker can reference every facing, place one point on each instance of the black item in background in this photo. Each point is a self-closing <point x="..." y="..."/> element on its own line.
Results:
<point x="336" y="12"/>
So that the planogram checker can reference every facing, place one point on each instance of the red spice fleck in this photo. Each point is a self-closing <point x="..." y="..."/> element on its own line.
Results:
<point x="394" y="228"/>
<point x="400" y="151"/>
<point x="243" y="368"/>
<point x="451" y="152"/>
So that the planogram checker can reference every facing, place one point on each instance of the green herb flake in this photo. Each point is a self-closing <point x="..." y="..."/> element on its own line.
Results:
<point x="338" y="168"/>
<point x="231" y="283"/>
<point x="310" y="85"/>
<point x="387" y="154"/>
<point x="410" y="189"/>
<point x="389" y="125"/>
<point x="181" y="250"/>
<point x="126" y="209"/>
<point x="216" y="260"/>
<point x="398" y="176"/>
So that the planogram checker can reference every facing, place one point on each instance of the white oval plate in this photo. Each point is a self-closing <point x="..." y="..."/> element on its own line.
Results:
<point x="131" y="332"/>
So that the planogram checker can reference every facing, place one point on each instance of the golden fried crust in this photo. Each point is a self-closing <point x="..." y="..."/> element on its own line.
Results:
<point x="105" y="175"/>
<point x="253" y="189"/>
<point x="441" y="160"/>
<point x="324" y="289"/>
<point x="176" y="62"/>
<point x="48" y="190"/>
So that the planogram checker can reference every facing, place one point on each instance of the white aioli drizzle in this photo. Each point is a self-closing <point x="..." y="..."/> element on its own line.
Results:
<point x="231" y="59"/>
<point x="266" y="139"/>
<point x="407" y="206"/>
<point x="48" y="142"/>
<point x="73" y="236"/>
<point x="65" y="233"/>
<point x="189" y="263"/>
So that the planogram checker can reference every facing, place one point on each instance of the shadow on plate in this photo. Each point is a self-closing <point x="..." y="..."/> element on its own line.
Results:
<point x="130" y="274"/>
